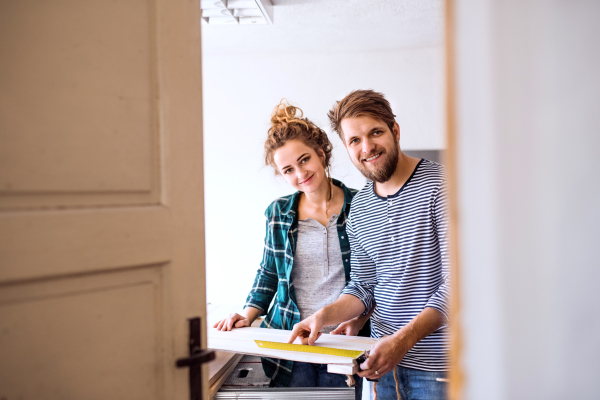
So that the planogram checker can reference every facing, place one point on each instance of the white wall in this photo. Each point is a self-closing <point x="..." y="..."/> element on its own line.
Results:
<point x="241" y="90"/>
<point x="529" y="142"/>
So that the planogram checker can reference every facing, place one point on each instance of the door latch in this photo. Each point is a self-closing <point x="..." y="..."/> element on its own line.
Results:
<point x="197" y="357"/>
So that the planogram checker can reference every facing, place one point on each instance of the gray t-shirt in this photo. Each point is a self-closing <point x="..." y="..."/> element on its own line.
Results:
<point x="318" y="272"/>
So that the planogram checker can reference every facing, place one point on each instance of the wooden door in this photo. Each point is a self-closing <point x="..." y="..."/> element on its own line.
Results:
<point x="101" y="197"/>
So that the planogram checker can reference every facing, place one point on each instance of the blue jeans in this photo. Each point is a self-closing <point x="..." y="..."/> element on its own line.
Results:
<point x="413" y="384"/>
<point x="316" y="375"/>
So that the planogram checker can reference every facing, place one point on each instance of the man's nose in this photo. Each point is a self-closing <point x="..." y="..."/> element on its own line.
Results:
<point x="367" y="146"/>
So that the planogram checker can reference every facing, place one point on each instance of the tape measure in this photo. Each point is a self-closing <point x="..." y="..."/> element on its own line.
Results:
<point x="308" y="349"/>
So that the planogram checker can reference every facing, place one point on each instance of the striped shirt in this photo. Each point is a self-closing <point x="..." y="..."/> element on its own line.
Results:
<point x="400" y="259"/>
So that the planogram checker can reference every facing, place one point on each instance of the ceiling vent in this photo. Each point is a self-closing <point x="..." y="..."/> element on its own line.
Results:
<point x="234" y="12"/>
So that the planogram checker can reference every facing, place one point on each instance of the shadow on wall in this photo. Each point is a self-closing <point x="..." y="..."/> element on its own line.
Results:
<point x="431" y="155"/>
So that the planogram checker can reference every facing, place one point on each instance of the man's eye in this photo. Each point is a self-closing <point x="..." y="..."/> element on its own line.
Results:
<point x="353" y="141"/>
<point x="377" y="133"/>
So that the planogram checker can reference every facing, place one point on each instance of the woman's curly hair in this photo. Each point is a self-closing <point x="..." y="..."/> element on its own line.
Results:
<point x="287" y="123"/>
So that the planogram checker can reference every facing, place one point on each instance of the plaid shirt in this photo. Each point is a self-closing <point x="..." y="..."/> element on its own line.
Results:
<point x="273" y="276"/>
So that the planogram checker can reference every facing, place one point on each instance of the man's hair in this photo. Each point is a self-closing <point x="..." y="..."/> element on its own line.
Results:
<point x="361" y="103"/>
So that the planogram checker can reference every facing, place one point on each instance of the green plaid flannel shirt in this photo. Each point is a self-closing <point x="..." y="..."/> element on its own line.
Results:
<point x="273" y="276"/>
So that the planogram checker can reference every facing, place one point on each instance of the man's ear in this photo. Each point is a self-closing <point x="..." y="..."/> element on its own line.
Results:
<point x="396" y="131"/>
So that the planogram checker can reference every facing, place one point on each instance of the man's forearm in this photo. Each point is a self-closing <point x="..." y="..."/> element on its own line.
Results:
<point x="424" y="324"/>
<point x="343" y="309"/>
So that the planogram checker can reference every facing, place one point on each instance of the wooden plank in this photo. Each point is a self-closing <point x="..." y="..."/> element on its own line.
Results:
<point x="242" y="341"/>
<point x="225" y="371"/>
<point x="342" y="369"/>
<point x="222" y="361"/>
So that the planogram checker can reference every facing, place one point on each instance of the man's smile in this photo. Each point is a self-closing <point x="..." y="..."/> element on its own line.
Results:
<point x="372" y="158"/>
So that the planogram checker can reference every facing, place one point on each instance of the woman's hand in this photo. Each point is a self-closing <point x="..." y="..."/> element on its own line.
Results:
<point x="234" y="320"/>
<point x="352" y="327"/>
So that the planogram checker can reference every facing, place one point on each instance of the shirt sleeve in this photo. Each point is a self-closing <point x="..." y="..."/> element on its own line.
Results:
<point x="363" y="276"/>
<point x="265" y="283"/>
<point x="440" y="298"/>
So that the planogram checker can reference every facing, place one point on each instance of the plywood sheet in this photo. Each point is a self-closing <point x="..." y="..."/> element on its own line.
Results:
<point x="242" y="341"/>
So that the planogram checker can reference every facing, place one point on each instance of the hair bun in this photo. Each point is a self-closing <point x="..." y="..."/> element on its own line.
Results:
<point x="286" y="114"/>
<point x="288" y="123"/>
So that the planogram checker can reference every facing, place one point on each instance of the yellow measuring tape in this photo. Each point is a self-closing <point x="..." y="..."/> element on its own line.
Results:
<point x="308" y="349"/>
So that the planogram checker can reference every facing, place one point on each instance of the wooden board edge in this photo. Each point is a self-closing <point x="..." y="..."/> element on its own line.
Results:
<point x="214" y="388"/>
<point x="233" y="357"/>
<point x="342" y="369"/>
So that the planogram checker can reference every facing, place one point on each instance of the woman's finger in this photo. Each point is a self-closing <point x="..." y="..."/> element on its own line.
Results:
<point x="241" y="323"/>
<point x="230" y="321"/>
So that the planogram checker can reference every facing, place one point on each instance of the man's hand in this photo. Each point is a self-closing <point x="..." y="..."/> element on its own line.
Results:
<point x="308" y="331"/>
<point x="352" y="327"/>
<point x="383" y="357"/>
<point x="389" y="351"/>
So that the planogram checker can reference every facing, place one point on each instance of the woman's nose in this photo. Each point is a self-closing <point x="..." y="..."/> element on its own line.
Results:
<point x="301" y="173"/>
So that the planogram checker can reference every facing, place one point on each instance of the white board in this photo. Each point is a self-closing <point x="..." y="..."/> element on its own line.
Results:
<point x="241" y="340"/>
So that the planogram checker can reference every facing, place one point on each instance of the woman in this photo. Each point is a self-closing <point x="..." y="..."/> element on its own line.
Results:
<point x="306" y="260"/>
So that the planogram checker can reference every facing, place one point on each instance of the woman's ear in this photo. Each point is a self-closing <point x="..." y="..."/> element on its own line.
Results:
<point x="321" y="155"/>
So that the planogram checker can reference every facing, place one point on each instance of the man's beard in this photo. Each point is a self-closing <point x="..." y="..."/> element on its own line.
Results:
<point x="385" y="172"/>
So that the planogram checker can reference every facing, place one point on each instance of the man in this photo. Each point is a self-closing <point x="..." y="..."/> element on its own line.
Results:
<point x="397" y="230"/>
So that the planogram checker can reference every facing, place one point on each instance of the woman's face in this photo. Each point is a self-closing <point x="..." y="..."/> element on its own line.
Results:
<point x="300" y="166"/>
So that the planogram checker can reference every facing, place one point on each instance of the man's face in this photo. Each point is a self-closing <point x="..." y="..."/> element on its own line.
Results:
<point x="372" y="147"/>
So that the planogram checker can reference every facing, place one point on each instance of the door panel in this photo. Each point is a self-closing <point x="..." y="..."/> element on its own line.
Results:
<point x="80" y="336"/>
<point x="101" y="197"/>
<point x="78" y="103"/>
<point x="46" y="243"/>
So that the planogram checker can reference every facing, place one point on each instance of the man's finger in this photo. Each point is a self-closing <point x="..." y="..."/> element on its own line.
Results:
<point x="295" y="333"/>
<point x="312" y="338"/>
<point x="341" y="328"/>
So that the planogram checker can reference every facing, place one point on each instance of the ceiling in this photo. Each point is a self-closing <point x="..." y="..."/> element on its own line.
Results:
<point x="333" y="26"/>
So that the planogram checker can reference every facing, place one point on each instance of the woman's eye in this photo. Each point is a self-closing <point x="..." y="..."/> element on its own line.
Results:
<point x="304" y="160"/>
<point x="287" y="171"/>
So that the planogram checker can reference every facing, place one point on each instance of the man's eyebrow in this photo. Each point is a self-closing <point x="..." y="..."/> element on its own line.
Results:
<point x="378" y="128"/>
<point x="288" y="166"/>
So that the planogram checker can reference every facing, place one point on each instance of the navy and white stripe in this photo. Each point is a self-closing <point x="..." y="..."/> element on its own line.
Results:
<point x="400" y="259"/>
